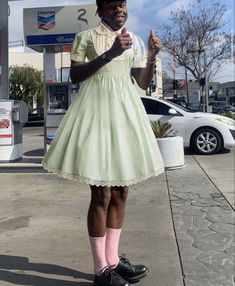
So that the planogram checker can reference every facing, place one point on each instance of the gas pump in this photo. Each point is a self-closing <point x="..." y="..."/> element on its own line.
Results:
<point x="13" y="115"/>
<point x="59" y="97"/>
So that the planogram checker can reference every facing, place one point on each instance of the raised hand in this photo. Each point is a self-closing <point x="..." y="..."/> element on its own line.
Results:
<point x="122" y="42"/>
<point x="154" y="45"/>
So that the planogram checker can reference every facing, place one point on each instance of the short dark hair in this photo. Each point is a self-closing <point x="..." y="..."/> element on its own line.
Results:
<point x="100" y="3"/>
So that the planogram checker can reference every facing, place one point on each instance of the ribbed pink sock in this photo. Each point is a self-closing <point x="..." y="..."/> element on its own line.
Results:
<point x="111" y="246"/>
<point x="98" y="253"/>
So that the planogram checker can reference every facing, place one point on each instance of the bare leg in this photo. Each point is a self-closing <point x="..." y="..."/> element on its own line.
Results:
<point x="115" y="218"/>
<point x="96" y="222"/>
<point x="97" y="213"/>
<point x="116" y="208"/>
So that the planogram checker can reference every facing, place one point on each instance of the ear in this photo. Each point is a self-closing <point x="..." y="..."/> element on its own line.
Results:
<point x="100" y="13"/>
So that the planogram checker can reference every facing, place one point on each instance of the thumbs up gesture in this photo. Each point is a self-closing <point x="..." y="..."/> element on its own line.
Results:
<point x="154" y="45"/>
<point x="122" y="42"/>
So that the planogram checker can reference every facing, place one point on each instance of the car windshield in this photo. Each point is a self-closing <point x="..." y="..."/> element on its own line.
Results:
<point x="178" y="106"/>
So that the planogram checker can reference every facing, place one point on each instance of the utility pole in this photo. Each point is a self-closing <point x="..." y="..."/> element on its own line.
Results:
<point x="200" y="77"/>
<point x="186" y="79"/>
<point x="174" y="75"/>
<point x="206" y="83"/>
<point x="203" y="93"/>
<point x="4" y="94"/>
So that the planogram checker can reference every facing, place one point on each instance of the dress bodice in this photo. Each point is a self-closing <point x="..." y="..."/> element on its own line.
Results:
<point x="92" y="43"/>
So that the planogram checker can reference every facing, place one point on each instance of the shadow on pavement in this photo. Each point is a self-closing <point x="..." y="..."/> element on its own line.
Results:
<point x="34" y="153"/>
<point x="188" y="151"/>
<point x="224" y="151"/>
<point x="21" y="264"/>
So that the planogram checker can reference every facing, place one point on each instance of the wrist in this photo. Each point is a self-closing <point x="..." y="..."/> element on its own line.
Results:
<point x="110" y="55"/>
<point x="151" y="60"/>
<point x="151" y="57"/>
<point x="105" y="57"/>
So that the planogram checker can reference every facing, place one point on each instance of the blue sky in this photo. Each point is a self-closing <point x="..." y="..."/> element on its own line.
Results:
<point x="143" y="15"/>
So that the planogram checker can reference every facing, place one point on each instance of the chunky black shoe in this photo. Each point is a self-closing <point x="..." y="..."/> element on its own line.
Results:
<point x="110" y="278"/>
<point x="129" y="272"/>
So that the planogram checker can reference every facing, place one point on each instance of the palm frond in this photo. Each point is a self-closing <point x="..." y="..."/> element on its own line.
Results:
<point x="162" y="129"/>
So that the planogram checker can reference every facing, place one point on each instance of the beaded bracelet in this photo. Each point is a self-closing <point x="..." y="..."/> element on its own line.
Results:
<point x="151" y="62"/>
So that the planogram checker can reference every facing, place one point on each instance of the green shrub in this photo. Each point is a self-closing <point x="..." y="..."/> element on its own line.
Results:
<point x="162" y="129"/>
<point x="229" y="114"/>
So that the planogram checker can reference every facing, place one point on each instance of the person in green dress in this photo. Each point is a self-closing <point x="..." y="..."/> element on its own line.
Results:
<point x="105" y="138"/>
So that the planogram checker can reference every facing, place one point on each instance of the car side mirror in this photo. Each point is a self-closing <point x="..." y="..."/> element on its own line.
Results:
<point x="172" y="111"/>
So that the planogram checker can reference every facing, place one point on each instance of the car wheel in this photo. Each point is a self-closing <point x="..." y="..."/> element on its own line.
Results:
<point x="206" y="141"/>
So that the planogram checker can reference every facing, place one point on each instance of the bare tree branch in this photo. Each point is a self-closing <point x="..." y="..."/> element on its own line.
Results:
<point x="195" y="31"/>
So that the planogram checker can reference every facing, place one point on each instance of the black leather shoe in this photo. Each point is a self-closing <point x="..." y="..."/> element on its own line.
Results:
<point x="110" y="278"/>
<point x="129" y="272"/>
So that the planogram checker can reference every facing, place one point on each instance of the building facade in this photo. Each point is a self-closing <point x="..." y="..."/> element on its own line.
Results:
<point x="62" y="64"/>
<point x="227" y="91"/>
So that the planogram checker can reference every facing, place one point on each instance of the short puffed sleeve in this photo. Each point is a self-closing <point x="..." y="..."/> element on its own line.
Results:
<point x="79" y="48"/>
<point x="140" y="59"/>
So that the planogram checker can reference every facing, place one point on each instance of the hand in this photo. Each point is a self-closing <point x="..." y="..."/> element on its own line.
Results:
<point x="122" y="42"/>
<point x="154" y="45"/>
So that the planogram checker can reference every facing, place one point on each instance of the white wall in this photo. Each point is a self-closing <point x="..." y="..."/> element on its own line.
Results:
<point x="35" y="59"/>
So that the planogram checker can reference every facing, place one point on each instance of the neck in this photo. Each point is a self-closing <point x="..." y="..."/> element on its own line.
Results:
<point x="110" y="28"/>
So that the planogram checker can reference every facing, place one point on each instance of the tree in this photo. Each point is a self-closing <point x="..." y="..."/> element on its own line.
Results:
<point x="197" y="32"/>
<point x="165" y="77"/>
<point x="26" y="83"/>
<point x="167" y="82"/>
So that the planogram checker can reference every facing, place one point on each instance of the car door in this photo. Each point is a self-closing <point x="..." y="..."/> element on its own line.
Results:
<point x="157" y="110"/>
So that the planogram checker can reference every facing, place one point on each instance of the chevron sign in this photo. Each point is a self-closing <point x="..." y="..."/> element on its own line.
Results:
<point x="46" y="20"/>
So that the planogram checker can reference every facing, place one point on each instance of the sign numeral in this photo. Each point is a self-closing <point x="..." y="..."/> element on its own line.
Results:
<point x="81" y="13"/>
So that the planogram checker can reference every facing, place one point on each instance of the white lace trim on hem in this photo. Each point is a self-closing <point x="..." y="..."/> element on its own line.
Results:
<point x="98" y="183"/>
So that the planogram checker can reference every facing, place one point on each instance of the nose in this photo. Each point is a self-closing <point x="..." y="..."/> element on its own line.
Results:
<point x="118" y="8"/>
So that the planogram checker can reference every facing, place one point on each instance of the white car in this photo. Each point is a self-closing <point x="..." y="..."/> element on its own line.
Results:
<point x="205" y="133"/>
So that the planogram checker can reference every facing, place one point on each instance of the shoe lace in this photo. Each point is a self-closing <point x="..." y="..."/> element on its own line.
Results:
<point x="108" y="271"/>
<point x="125" y="260"/>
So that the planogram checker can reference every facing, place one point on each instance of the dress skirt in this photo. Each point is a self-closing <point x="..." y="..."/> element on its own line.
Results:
<point x="105" y="138"/>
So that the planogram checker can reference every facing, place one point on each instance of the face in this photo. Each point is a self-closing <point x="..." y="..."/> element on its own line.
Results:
<point x="114" y="14"/>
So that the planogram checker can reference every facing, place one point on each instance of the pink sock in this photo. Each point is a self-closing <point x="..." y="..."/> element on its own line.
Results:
<point x="98" y="253"/>
<point x="111" y="246"/>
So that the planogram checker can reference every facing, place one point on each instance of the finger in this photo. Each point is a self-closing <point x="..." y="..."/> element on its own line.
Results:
<point x="124" y="31"/>
<point x="127" y="44"/>
<point x="124" y="36"/>
<point x="152" y="33"/>
<point x="155" y="44"/>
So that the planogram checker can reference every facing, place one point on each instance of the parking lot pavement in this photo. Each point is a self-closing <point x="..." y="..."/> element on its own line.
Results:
<point x="44" y="241"/>
<point x="43" y="236"/>
<point x="181" y="224"/>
